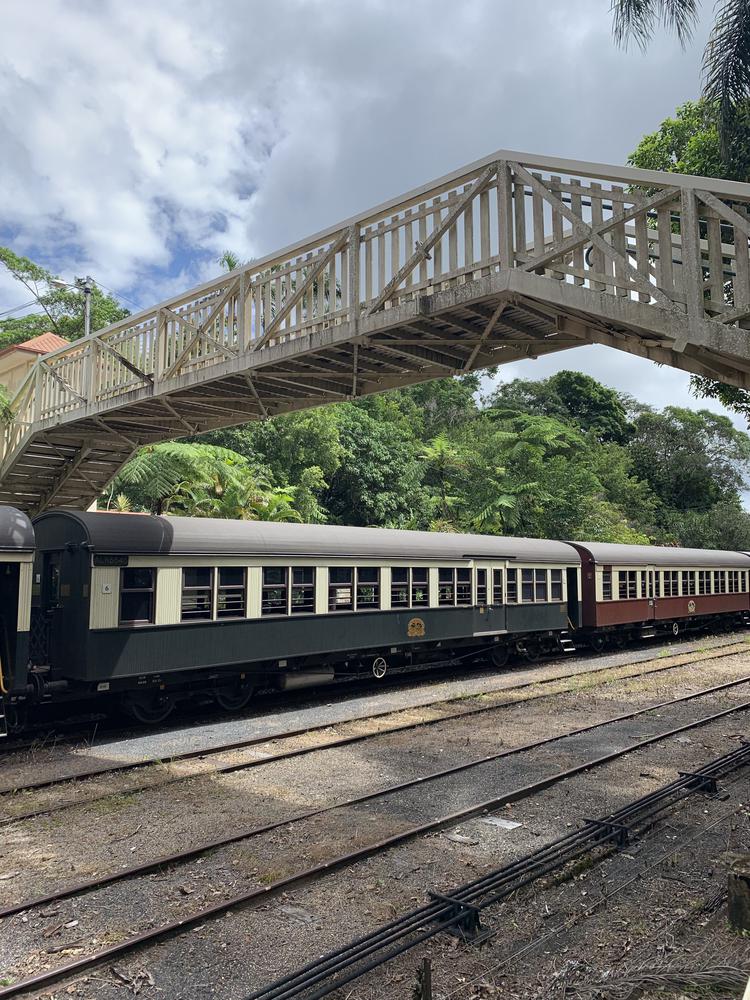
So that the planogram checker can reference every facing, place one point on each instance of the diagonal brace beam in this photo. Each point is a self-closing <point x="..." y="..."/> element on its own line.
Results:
<point x="229" y="291"/>
<point x="62" y="382"/>
<point x="424" y="248"/>
<point x="583" y="228"/>
<point x="148" y="379"/>
<point x="320" y="263"/>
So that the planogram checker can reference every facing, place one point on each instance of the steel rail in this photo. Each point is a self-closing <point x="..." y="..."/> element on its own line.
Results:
<point x="52" y="976"/>
<point x="181" y="856"/>
<point x="451" y="909"/>
<point x="42" y="783"/>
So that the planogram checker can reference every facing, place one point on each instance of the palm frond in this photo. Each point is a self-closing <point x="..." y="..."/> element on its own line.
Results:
<point x="636" y="20"/>
<point x="726" y="64"/>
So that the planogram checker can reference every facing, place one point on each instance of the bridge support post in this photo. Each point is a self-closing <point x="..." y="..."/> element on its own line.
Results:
<point x="505" y="214"/>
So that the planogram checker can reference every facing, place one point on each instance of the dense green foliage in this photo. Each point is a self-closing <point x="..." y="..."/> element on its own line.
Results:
<point x="59" y="310"/>
<point x="563" y="458"/>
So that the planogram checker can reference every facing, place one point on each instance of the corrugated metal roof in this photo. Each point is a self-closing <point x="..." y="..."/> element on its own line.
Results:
<point x="662" y="556"/>
<point x="136" y="533"/>
<point x="45" y="343"/>
<point x="16" y="532"/>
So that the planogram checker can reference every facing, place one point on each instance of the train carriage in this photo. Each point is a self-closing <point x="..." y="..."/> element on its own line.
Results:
<point x="16" y="566"/>
<point x="154" y="607"/>
<point x="639" y="590"/>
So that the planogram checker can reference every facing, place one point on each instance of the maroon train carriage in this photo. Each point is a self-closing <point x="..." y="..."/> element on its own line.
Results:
<point x="638" y="591"/>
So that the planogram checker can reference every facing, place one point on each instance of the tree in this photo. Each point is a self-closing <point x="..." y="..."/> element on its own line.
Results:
<point x="726" y="57"/>
<point x="379" y="480"/>
<point x="725" y="526"/>
<point x="691" y="460"/>
<point x="6" y="414"/>
<point x="286" y="445"/>
<point x="61" y="308"/>
<point x="570" y="396"/>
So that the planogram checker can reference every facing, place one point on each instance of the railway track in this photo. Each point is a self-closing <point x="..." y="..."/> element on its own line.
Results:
<point x="234" y="767"/>
<point x="458" y="910"/>
<point x="398" y="836"/>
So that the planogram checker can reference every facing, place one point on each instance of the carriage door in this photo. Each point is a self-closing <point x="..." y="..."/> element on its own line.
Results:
<point x="572" y="587"/>
<point x="45" y="617"/>
<point x="651" y="592"/>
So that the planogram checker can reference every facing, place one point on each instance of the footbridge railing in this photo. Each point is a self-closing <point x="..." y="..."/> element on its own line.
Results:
<point x="620" y="244"/>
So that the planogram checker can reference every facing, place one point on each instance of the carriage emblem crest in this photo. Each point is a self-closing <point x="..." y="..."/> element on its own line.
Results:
<point x="415" y="628"/>
<point x="691" y="607"/>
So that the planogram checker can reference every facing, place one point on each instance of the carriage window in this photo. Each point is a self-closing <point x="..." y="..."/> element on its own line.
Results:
<point x="657" y="583"/>
<point x="734" y="581"/>
<point x="704" y="581"/>
<point x="540" y="584"/>
<point x="303" y="590"/>
<point x="527" y="584"/>
<point x="463" y="586"/>
<point x="622" y="585"/>
<point x="399" y="587"/>
<point x="275" y="590"/>
<point x="230" y="597"/>
<point x="137" y="596"/>
<point x="644" y="574"/>
<point x="420" y="587"/>
<point x="512" y="586"/>
<point x="556" y="587"/>
<point x="497" y="586"/>
<point x="368" y="588"/>
<point x="743" y="581"/>
<point x="446" y="586"/>
<point x="607" y="584"/>
<point x="720" y="582"/>
<point x="340" y="588"/>
<point x="688" y="582"/>
<point x="671" y="583"/>
<point x="481" y="586"/>
<point x="197" y="593"/>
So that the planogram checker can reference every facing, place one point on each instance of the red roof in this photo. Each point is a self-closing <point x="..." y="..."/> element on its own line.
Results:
<point x="42" y="344"/>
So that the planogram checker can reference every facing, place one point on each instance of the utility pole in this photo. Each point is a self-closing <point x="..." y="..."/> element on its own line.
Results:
<point x="85" y="284"/>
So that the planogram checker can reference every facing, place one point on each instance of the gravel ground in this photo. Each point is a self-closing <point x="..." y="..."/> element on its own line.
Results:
<point x="281" y="935"/>
<point x="148" y="824"/>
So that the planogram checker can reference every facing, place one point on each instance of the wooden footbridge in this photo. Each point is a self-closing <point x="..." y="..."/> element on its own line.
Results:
<point x="511" y="257"/>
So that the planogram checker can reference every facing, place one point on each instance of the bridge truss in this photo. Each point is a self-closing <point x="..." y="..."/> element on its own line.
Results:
<point x="511" y="257"/>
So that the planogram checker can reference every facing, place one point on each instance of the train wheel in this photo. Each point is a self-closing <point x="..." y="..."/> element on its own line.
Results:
<point x="148" y="709"/>
<point x="597" y="642"/>
<point x="532" y="651"/>
<point x="17" y="717"/>
<point x="234" y="697"/>
<point x="675" y="628"/>
<point x="499" y="655"/>
<point x="379" y="667"/>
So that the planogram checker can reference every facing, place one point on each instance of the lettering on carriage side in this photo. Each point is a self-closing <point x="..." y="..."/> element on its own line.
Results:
<point x="691" y="607"/>
<point x="415" y="628"/>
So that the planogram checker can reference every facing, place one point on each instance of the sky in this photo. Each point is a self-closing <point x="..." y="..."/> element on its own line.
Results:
<point x="140" y="141"/>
